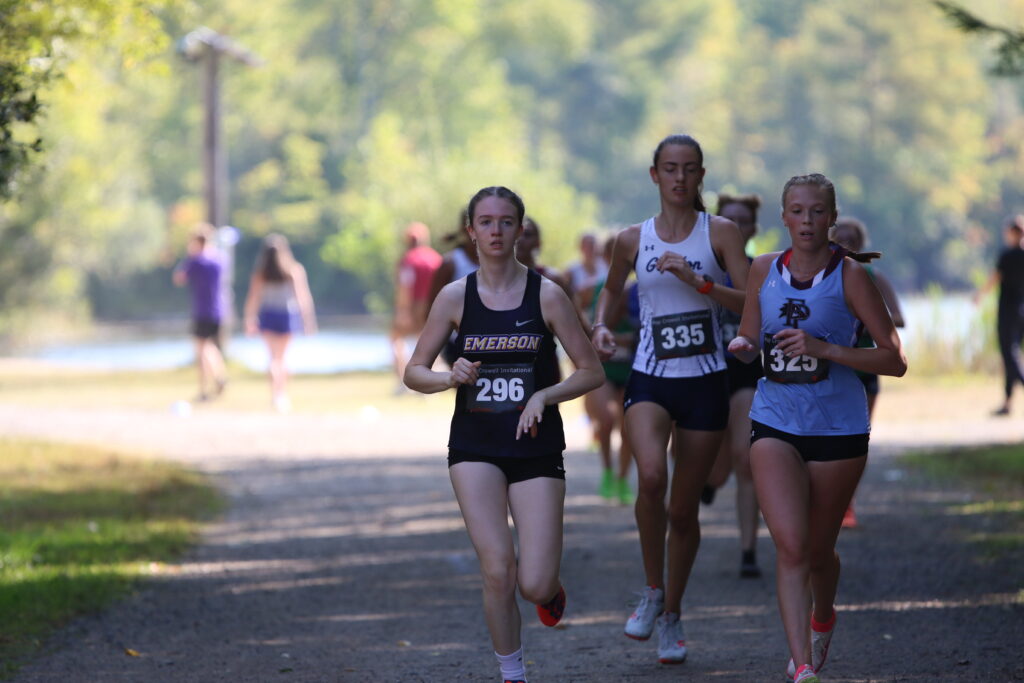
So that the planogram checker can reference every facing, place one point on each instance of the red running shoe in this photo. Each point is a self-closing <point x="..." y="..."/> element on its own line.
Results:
<point x="849" y="519"/>
<point x="550" y="612"/>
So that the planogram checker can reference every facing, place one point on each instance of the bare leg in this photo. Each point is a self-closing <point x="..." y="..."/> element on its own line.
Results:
<point x="597" y="403"/>
<point x="625" y="450"/>
<point x="832" y="487"/>
<point x="214" y="364"/>
<point x="722" y="467"/>
<point x="788" y="489"/>
<point x="747" y="512"/>
<point x="398" y="353"/>
<point x="482" y="492"/>
<point x="537" y="507"/>
<point x="277" y="345"/>
<point x="783" y="490"/>
<point x="648" y="427"/>
<point x="695" y="453"/>
<point x="201" y="365"/>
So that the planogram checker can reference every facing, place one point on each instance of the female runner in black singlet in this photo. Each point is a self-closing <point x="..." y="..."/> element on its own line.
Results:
<point x="506" y="442"/>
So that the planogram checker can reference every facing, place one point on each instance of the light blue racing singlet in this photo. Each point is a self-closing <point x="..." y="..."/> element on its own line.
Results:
<point x="803" y="395"/>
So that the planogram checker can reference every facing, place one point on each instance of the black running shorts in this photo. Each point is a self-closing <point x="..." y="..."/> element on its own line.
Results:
<point x="516" y="469"/>
<point x="815" y="448"/>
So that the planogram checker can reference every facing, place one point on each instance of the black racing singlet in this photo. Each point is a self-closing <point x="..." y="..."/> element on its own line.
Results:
<point x="517" y="354"/>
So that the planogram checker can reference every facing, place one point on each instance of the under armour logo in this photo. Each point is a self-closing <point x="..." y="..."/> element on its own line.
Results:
<point x="794" y="310"/>
<point x="648" y="247"/>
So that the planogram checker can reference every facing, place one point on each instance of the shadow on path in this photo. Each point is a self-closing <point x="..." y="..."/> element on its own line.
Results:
<point x="360" y="570"/>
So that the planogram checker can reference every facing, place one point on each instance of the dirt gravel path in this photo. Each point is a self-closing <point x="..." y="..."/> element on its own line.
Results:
<point x="343" y="558"/>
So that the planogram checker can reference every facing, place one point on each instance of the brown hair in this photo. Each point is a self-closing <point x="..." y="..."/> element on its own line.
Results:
<point x="686" y="141"/>
<point x="275" y="261"/>
<point x="500" y="192"/>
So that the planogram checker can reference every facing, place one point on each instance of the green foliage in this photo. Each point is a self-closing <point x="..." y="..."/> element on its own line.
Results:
<point x="78" y="528"/>
<point x="1010" y="49"/>
<point x="369" y="114"/>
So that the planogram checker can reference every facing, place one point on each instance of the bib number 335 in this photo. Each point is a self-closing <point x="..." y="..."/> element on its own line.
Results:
<point x="793" y="370"/>
<point x="683" y="334"/>
<point x="501" y="388"/>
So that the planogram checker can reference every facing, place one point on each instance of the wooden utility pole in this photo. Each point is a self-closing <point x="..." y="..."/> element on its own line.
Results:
<point x="207" y="46"/>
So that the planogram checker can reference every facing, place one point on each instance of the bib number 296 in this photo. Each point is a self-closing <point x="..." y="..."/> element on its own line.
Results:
<point x="501" y="388"/>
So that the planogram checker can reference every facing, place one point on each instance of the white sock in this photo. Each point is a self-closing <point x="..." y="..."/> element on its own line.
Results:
<point x="512" y="666"/>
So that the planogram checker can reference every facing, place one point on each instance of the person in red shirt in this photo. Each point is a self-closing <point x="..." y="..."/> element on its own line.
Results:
<point x="412" y="291"/>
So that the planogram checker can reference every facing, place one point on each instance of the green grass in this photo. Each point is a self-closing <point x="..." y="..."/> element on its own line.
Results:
<point x="998" y="473"/>
<point x="79" y="527"/>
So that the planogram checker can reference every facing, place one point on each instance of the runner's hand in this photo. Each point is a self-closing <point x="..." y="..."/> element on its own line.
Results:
<point x="463" y="372"/>
<point x="741" y="345"/>
<point x="531" y="416"/>
<point x="798" y="343"/>
<point x="676" y="264"/>
<point x="604" y="342"/>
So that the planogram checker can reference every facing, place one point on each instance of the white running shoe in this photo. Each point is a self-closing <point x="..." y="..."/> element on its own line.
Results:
<point x="806" y="675"/>
<point x="820" y="641"/>
<point x="671" y="642"/>
<point x="640" y="624"/>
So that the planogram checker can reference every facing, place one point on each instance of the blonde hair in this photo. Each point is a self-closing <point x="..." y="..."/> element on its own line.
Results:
<point x="822" y="183"/>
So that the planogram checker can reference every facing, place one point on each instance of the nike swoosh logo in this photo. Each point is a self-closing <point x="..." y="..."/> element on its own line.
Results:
<point x="520" y="324"/>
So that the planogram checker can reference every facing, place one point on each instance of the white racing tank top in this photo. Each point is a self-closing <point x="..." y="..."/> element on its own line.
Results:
<point x="679" y="328"/>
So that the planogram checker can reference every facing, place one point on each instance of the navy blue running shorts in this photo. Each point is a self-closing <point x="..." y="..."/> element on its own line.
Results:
<point x="281" y="322"/>
<point x="516" y="469"/>
<point x="698" y="403"/>
<point x="815" y="448"/>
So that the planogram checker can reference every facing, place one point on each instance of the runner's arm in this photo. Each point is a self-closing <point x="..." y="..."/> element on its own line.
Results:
<point x="627" y="242"/>
<point x="443" y="318"/>
<point x="727" y="242"/>
<point x="747" y="344"/>
<point x="252" y="302"/>
<point x="892" y="302"/>
<point x="562" y="318"/>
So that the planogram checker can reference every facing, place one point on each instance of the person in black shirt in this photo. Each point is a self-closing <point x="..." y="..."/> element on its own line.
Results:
<point x="1009" y="274"/>
<point x="506" y="441"/>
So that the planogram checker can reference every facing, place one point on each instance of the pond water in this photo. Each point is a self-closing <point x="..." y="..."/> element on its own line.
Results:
<point x="952" y="320"/>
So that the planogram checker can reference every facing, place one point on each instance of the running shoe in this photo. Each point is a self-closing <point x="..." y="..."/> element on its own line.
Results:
<point x="849" y="519"/>
<point x="805" y="674"/>
<point x="821" y="637"/>
<point x="623" y="492"/>
<point x="748" y="566"/>
<point x="707" y="494"/>
<point x="640" y="624"/>
<point x="607" y="487"/>
<point x="671" y="642"/>
<point x="550" y="612"/>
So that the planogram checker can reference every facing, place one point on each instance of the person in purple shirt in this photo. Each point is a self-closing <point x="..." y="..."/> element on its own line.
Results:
<point x="201" y="270"/>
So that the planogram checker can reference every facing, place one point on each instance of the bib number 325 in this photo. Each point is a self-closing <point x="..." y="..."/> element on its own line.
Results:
<point x="683" y="334"/>
<point x="793" y="370"/>
<point x="501" y="388"/>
